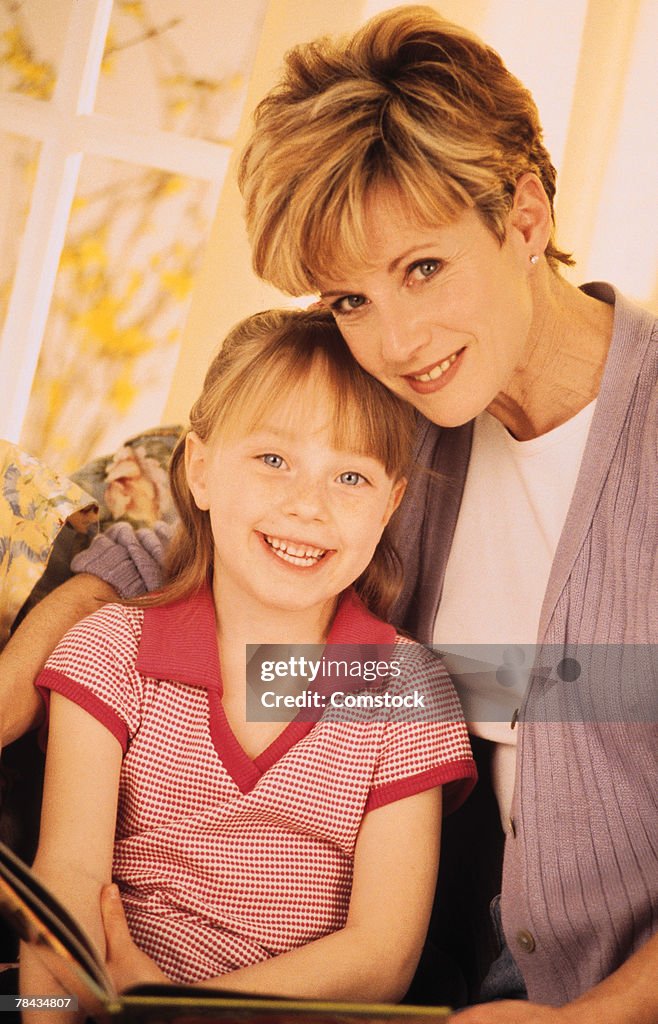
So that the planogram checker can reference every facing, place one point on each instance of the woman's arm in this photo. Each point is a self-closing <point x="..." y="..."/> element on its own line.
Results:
<point x="373" y="958"/>
<point x="21" y="707"/>
<point x="78" y="818"/>
<point x="122" y="561"/>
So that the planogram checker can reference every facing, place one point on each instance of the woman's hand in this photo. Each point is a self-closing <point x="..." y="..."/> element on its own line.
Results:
<point x="126" y="963"/>
<point x="627" y="996"/>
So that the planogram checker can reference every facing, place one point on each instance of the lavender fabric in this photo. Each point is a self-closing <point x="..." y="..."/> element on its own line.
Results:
<point x="580" y="884"/>
<point x="129" y="560"/>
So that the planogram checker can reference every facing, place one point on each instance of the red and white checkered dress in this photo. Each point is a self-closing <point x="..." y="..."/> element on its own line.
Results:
<point x="224" y="861"/>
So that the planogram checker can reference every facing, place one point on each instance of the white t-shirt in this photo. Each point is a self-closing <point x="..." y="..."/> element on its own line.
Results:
<point x="515" y="502"/>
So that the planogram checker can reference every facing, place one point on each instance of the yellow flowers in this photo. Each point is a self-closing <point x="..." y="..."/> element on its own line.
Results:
<point x="34" y="78"/>
<point x="123" y="392"/>
<point x="135" y="233"/>
<point x="88" y="259"/>
<point x="56" y="396"/>
<point x="172" y="185"/>
<point x="177" y="282"/>
<point x="103" y="332"/>
<point x="34" y="505"/>
<point x="135" y="8"/>
<point x="91" y="251"/>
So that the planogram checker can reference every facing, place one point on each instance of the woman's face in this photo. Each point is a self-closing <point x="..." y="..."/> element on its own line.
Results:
<point x="441" y="316"/>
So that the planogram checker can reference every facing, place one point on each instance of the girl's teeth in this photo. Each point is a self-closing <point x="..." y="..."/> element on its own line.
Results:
<point x="438" y="370"/>
<point x="296" y="554"/>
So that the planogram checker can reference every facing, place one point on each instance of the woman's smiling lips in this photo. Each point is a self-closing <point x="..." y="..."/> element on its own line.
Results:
<point x="294" y="552"/>
<point x="435" y="376"/>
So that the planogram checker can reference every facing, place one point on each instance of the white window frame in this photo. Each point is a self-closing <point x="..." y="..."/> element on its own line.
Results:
<point x="68" y="129"/>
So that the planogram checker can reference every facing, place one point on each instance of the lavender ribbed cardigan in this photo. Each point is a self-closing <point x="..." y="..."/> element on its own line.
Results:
<point x="580" y="875"/>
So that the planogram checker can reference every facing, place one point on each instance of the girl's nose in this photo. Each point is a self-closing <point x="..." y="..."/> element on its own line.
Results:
<point x="306" y="500"/>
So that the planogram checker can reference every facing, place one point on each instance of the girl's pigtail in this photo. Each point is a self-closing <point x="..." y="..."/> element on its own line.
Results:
<point x="190" y="558"/>
<point x="381" y="582"/>
<point x="188" y="565"/>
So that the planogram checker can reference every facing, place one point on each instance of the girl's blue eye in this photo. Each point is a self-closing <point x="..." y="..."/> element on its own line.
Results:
<point x="272" y="460"/>
<point x="347" y="304"/>
<point x="351" y="478"/>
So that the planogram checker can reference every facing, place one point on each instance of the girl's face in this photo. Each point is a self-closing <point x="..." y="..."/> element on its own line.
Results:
<point x="294" y="520"/>
<point x="441" y="316"/>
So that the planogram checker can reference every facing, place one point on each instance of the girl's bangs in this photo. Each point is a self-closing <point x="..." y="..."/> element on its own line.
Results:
<point x="298" y="380"/>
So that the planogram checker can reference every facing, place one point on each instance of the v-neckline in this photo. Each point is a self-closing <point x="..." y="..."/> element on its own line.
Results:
<point x="179" y="643"/>
<point x="244" y="769"/>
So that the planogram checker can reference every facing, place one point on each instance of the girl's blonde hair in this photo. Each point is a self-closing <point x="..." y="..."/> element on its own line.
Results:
<point x="262" y="364"/>
<point x="410" y="101"/>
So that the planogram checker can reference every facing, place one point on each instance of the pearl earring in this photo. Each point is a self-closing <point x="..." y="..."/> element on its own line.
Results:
<point x="534" y="259"/>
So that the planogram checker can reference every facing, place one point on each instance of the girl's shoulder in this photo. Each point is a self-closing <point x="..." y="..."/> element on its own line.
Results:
<point x="95" y="666"/>
<point x="420" y="668"/>
<point x="113" y="632"/>
<point x="416" y="653"/>
<point x="115" y="619"/>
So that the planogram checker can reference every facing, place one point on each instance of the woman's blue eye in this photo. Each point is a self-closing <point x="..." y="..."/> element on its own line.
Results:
<point x="348" y="303"/>
<point x="270" y="459"/>
<point x="425" y="268"/>
<point x="352" y="478"/>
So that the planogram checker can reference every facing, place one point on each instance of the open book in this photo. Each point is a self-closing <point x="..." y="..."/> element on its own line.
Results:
<point x="40" y="919"/>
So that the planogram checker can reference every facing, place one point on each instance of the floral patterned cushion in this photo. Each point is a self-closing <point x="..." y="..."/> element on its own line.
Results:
<point x="131" y="485"/>
<point x="35" y="505"/>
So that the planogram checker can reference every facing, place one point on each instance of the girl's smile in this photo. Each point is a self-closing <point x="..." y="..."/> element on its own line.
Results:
<point x="294" y="553"/>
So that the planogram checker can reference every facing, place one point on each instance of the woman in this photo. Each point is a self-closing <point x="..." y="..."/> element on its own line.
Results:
<point x="415" y="195"/>
<point x="402" y="175"/>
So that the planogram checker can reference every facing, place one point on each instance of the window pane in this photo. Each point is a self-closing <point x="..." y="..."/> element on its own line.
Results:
<point x="32" y="34"/>
<point x="121" y="297"/>
<point x="18" y="163"/>
<point x="180" y="65"/>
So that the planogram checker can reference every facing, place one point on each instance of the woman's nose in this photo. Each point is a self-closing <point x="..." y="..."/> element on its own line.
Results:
<point x="402" y="334"/>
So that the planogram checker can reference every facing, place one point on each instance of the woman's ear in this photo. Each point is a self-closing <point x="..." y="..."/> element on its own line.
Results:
<point x="196" y="469"/>
<point x="396" y="496"/>
<point x="530" y="216"/>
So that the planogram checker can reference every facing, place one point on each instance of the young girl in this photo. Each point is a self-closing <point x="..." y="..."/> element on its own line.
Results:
<point x="290" y="858"/>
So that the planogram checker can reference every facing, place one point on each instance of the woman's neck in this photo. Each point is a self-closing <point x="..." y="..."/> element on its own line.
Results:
<point x="563" y="362"/>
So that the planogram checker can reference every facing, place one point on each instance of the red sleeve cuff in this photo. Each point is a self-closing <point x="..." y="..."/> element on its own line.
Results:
<point x="458" y="779"/>
<point x="50" y="679"/>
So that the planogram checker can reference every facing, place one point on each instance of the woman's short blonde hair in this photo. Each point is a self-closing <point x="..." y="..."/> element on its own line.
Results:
<point x="411" y="100"/>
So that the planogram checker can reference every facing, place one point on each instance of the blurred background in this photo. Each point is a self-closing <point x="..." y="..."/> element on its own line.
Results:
<point x="123" y="256"/>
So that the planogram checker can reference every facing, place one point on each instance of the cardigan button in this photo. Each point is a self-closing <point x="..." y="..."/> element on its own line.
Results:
<point x="525" y="941"/>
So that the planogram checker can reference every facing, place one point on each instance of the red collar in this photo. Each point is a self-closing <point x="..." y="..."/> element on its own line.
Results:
<point x="179" y="641"/>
